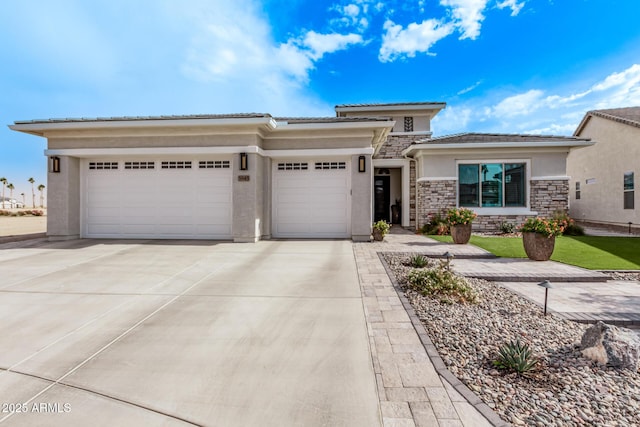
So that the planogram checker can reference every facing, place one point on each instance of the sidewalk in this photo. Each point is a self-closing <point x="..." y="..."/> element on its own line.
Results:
<point x="414" y="386"/>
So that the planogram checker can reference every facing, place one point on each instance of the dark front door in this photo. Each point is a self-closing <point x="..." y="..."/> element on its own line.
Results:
<point x="381" y="198"/>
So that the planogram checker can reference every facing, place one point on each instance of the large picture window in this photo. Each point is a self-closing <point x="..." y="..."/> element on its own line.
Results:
<point x="492" y="185"/>
<point x="629" y="193"/>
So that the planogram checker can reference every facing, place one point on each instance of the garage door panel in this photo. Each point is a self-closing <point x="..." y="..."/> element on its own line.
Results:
<point x="310" y="202"/>
<point x="156" y="202"/>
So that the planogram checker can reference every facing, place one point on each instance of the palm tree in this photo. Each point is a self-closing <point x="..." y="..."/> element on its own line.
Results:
<point x="33" y="192"/>
<point x="23" y="202"/>
<point x="3" y="180"/>
<point x="11" y="187"/>
<point x="40" y="189"/>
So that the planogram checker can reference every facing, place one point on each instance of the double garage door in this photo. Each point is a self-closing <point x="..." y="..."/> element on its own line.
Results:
<point x="193" y="199"/>
<point x="162" y="199"/>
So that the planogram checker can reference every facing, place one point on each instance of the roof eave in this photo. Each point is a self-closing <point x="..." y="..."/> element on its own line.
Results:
<point x="474" y="145"/>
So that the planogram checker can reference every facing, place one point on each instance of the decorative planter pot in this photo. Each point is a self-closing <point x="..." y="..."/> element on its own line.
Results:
<point x="461" y="233"/>
<point x="537" y="246"/>
<point x="377" y="235"/>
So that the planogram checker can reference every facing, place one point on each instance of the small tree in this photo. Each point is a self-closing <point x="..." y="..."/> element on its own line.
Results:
<point x="33" y="192"/>
<point x="24" y="203"/>
<point x="11" y="187"/>
<point x="3" y="180"/>
<point x="41" y="190"/>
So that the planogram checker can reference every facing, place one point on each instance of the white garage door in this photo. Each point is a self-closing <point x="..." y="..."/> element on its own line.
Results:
<point x="311" y="199"/>
<point x="162" y="199"/>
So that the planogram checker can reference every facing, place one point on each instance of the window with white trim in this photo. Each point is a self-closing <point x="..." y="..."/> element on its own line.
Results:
<point x="492" y="185"/>
<point x="578" y="190"/>
<point x="629" y="192"/>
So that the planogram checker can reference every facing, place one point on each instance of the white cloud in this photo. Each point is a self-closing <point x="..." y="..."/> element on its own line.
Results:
<point x="467" y="16"/>
<point x="541" y="111"/>
<point x="400" y="42"/>
<point x="514" y="5"/>
<point x="470" y="88"/>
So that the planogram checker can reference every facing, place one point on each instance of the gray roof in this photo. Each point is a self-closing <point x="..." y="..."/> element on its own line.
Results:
<point x="465" y="138"/>
<point x="628" y="116"/>
<point x="393" y="104"/>
<point x="142" y="118"/>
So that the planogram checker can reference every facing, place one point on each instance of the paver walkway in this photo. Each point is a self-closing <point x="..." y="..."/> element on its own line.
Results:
<point x="414" y="386"/>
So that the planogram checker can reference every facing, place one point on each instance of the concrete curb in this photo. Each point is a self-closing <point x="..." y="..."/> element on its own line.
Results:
<point x="435" y="358"/>
<point x="22" y="237"/>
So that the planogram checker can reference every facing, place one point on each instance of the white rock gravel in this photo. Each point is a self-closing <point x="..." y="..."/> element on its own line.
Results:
<point x="566" y="389"/>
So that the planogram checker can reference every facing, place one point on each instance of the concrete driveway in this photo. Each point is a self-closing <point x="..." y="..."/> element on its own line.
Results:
<point x="97" y="332"/>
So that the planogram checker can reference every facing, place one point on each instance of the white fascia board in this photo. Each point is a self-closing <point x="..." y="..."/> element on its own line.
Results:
<point x="483" y="145"/>
<point x="390" y="163"/>
<point x="401" y="107"/>
<point x="285" y="126"/>
<point x="150" y="151"/>
<point x="43" y="127"/>
<point x="319" y="152"/>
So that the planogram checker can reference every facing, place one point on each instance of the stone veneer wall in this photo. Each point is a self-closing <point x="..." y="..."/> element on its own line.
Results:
<point x="435" y="197"/>
<point x="547" y="197"/>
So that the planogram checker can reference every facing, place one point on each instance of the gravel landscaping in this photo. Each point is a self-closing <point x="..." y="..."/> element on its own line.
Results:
<point x="565" y="389"/>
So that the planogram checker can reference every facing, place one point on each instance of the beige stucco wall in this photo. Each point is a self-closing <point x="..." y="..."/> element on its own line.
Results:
<point x="361" y="200"/>
<point x="153" y="141"/>
<point x="617" y="150"/>
<point x="63" y="213"/>
<point x="543" y="163"/>
<point x="301" y="143"/>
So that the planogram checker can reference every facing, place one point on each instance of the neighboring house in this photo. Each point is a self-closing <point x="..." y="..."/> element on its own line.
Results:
<point x="604" y="178"/>
<point x="247" y="177"/>
<point x="8" y="203"/>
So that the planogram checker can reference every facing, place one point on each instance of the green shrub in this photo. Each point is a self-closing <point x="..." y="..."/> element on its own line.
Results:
<point x="507" y="227"/>
<point x="571" y="228"/>
<point x="516" y="356"/>
<point x="418" y="261"/>
<point x="442" y="284"/>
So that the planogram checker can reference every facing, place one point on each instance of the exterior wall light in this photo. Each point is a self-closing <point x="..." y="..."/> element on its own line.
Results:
<point x="55" y="164"/>
<point x="362" y="164"/>
<point x="244" y="162"/>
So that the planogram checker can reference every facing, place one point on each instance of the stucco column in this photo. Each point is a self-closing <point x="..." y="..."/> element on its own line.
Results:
<point x="247" y="199"/>
<point x="63" y="210"/>
<point x="361" y="200"/>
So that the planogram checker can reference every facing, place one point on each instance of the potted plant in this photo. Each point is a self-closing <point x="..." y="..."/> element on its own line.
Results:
<point x="539" y="236"/>
<point x="380" y="229"/>
<point x="460" y="220"/>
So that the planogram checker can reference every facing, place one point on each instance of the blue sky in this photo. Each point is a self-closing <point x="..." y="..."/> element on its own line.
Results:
<point x="516" y="66"/>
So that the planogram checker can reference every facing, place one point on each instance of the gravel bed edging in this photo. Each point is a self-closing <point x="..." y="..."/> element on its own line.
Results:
<point x="490" y="415"/>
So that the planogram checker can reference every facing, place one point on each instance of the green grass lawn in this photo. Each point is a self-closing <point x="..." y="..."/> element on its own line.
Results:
<point x="592" y="252"/>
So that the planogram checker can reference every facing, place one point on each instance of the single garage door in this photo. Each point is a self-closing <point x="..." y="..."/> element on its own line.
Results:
<point x="311" y="199"/>
<point x="161" y="199"/>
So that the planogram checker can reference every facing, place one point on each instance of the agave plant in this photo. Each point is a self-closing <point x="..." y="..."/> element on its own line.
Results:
<point x="516" y="356"/>
<point x="419" y="261"/>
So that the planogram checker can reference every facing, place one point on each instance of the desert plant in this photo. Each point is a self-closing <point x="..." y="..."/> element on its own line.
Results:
<point x="442" y="284"/>
<point x="419" y="261"/>
<point x="516" y="356"/>
<point x="460" y="216"/>
<point x="507" y="227"/>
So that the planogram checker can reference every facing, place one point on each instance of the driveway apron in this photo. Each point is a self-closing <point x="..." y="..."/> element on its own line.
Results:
<point x="184" y="333"/>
